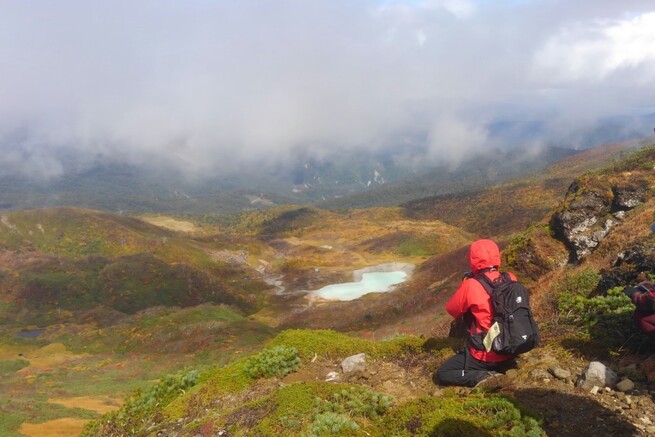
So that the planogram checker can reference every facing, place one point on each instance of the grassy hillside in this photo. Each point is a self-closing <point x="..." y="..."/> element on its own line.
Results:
<point x="578" y="300"/>
<point x="91" y="306"/>
<point x="76" y="260"/>
<point x="504" y="209"/>
<point x="471" y="174"/>
<point x="244" y="398"/>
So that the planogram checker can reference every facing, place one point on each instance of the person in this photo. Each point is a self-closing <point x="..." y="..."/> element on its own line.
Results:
<point x="643" y="298"/>
<point x="471" y="366"/>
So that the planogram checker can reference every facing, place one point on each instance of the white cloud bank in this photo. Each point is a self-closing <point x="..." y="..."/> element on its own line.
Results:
<point x="204" y="85"/>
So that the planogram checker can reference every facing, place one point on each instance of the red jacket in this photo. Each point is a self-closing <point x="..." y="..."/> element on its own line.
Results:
<point x="472" y="297"/>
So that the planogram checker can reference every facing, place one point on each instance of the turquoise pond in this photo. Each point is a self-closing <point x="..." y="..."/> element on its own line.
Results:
<point x="373" y="282"/>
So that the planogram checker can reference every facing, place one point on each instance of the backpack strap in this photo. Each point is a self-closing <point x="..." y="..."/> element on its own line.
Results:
<point x="487" y="283"/>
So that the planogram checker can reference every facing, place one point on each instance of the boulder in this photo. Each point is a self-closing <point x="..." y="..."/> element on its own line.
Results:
<point x="560" y="373"/>
<point x="597" y="375"/>
<point x="590" y="210"/>
<point x="628" y="196"/>
<point x="625" y="385"/>
<point x="354" y="363"/>
<point x="539" y="374"/>
<point x="627" y="265"/>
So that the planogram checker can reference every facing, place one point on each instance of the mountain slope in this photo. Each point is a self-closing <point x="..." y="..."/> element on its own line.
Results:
<point x="284" y="390"/>
<point x="305" y="180"/>
<point x="501" y="210"/>
<point x="78" y="259"/>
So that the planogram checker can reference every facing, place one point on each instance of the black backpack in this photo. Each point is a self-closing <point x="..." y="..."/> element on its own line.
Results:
<point x="510" y="302"/>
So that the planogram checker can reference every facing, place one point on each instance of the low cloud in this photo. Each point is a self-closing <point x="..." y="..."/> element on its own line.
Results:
<point x="204" y="87"/>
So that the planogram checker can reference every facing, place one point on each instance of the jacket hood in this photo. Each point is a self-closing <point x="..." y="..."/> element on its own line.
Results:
<point x="484" y="254"/>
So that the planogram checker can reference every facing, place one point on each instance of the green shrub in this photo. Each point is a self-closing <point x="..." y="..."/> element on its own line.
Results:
<point x="357" y="401"/>
<point x="333" y="344"/>
<point x="589" y="311"/>
<point x="606" y="319"/>
<point x="455" y="415"/>
<point x="277" y="361"/>
<point x="330" y="423"/>
<point x="581" y="283"/>
<point x="503" y="415"/>
<point x="12" y="366"/>
<point x="141" y="407"/>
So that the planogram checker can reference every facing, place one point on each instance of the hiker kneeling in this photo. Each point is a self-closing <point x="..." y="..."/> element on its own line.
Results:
<point x="499" y="322"/>
<point x="643" y="297"/>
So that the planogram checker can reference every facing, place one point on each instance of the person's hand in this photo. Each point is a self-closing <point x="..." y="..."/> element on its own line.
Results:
<point x="630" y="291"/>
<point x="458" y="328"/>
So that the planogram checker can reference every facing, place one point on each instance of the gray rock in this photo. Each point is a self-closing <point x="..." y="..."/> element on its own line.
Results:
<point x="560" y="373"/>
<point x="332" y="376"/>
<point x="625" y="384"/>
<point x="354" y="363"/>
<point x="512" y="374"/>
<point x="594" y="390"/>
<point x="628" y="197"/>
<point x="619" y="215"/>
<point x="539" y="374"/>
<point x="583" y="217"/>
<point x="597" y="374"/>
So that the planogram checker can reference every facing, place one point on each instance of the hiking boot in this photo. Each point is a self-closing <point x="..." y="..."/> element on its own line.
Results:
<point x="493" y="382"/>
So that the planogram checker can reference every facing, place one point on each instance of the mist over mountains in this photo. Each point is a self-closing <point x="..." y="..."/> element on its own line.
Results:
<point x="207" y="88"/>
<point x="129" y="189"/>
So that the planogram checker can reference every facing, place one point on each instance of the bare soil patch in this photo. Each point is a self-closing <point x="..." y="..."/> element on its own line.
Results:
<point x="171" y="223"/>
<point x="54" y="428"/>
<point x="50" y="355"/>
<point x="10" y="352"/>
<point x="100" y="404"/>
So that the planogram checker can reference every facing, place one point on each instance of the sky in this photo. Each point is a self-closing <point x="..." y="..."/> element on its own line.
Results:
<point x="203" y="86"/>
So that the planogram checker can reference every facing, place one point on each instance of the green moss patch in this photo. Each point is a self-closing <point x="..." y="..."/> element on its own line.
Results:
<point x="477" y="415"/>
<point x="328" y="343"/>
<point x="12" y="366"/>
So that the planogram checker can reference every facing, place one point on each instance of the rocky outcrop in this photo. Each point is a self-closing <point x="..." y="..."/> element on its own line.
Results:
<point x="591" y="208"/>
<point x="627" y="197"/>
<point x="627" y="266"/>
<point x="535" y="253"/>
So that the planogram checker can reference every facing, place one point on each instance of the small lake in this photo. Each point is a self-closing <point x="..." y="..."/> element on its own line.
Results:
<point x="372" y="282"/>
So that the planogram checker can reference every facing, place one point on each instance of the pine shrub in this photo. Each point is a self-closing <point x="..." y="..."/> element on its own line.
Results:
<point x="330" y="423"/>
<point x="277" y="361"/>
<point x="141" y="407"/>
<point x="358" y="401"/>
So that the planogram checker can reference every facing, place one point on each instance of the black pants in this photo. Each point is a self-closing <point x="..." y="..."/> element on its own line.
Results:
<point x="464" y="370"/>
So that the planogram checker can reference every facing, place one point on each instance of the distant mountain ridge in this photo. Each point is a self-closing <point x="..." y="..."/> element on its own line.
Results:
<point x="389" y="178"/>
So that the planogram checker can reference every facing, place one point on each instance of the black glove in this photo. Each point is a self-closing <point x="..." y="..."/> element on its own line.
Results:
<point x="458" y="328"/>
<point x="630" y="291"/>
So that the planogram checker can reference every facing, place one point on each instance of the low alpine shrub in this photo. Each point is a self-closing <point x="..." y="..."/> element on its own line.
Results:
<point x="330" y="423"/>
<point x="277" y="361"/>
<point x="357" y="401"/>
